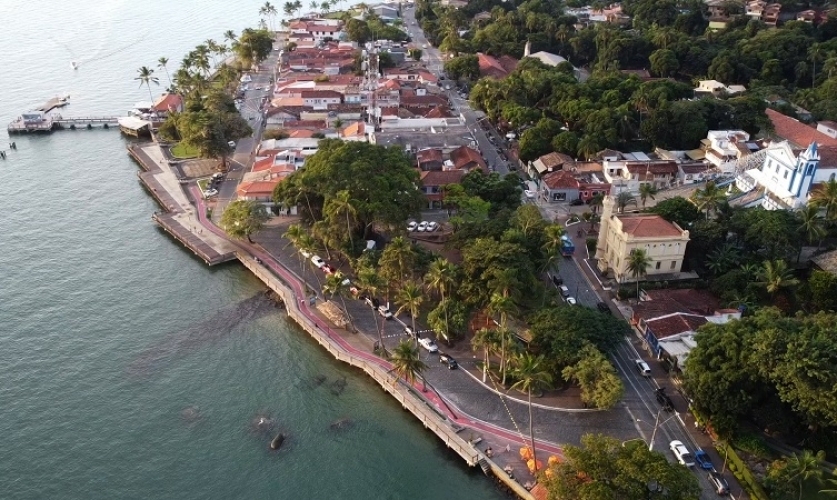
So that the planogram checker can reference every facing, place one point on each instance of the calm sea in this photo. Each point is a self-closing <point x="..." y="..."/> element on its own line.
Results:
<point x="128" y="369"/>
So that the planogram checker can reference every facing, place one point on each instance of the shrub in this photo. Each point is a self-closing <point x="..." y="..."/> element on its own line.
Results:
<point x="591" y="245"/>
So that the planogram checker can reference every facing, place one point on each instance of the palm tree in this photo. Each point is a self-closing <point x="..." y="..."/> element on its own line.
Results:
<point x="297" y="6"/>
<point x="269" y="11"/>
<point x="709" y="198"/>
<point x="161" y="63"/>
<point x="336" y="284"/>
<point x="502" y="305"/>
<point x="532" y="375"/>
<point x="230" y="36"/>
<point x="409" y="298"/>
<point x="339" y="204"/>
<point x="552" y="239"/>
<point x="408" y="364"/>
<point x="623" y="199"/>
<point x="810" y="226"/>
<point x="804" y="466"/>
<point x="288" y="8"/>
<point x="396" y="261"/>
<point x="646" y="190"/>
<point x="370" y="283"/>
<point x="776" y="276"/>
<point x="638" y="263"/>
<point x="596" y="202"/>
<point x="325" y="6"/>
<point x="487" y="340"/>
<point x="314" y="5"/>
<point x="723" y="258"/>
<point x="146" y="77"/>
<point x="826" y="197"/>
<point x="440" y="277"/>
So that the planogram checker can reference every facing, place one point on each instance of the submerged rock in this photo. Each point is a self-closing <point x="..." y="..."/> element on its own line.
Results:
<point x="338" y="386"/>
<point x="341" y="424"/>
<point x="191" y="414"/>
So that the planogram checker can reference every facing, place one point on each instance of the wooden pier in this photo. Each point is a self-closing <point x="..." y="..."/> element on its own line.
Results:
<point x="50" y="124"/>
<point x="55" y="102"/>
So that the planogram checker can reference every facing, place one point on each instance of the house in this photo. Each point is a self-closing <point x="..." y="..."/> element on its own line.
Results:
<point x="785" y="178"/>
<point x="826" y="261"/>
<point x="725" y="146"/>
<point x="548" y="163"/>
<point x="581" y="182"/>
<point x="387" y="12"/>
<point x="168" y="103"/>
<point x="548" y="58"/>
<point x="429" y="159"/>
<point x="663" y="241"/>
<point x="482" y="17"/>
<point x="320" y="99"/>
<point x="626" y="171"/>
<point x="800" y="135"/>
<point x="716" y="88"/>
<point x="497" y="68"/>
<point x="433" y="183"/>
<point x="456" y="4"/>
<point x="467" y="159"/>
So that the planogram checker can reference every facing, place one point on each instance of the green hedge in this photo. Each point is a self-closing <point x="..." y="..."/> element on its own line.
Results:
<point x="742" y="473"/>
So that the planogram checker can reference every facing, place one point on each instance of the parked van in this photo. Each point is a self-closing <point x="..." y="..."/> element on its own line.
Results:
<point x="643" y="368"/>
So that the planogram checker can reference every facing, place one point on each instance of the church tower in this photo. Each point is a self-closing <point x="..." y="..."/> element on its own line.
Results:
<point x="604" y="224"/>
<point x="806" y="168"/>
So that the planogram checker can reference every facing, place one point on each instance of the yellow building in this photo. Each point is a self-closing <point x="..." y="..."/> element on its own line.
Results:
<point x="619" y="234"/>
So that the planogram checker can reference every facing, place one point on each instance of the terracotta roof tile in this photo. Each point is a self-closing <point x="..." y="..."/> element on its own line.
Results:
<point x="688" y="300"/>
<point x="560" y="179"/>
<point x="798" y="133"/>
<point x="442" y="177"/>
<point x="648" y="226"/>
<point x="674" y="324"/>
<point x="426" y="155"/>
<point x="554" y="159"/>
<point x="657" y="167"/>
<point x="465" y="157"/>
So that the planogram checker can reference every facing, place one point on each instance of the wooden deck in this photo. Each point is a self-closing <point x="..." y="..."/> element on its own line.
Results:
<point x="55" y="102"/>
<point x="191" y="240"/>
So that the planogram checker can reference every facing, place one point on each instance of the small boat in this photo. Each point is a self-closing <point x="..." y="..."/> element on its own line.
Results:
<point x="73" y="64"/>
<point x="276" y="443"/>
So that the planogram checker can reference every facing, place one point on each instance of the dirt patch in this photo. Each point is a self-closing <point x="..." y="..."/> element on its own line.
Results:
<point x="199" y="168"/>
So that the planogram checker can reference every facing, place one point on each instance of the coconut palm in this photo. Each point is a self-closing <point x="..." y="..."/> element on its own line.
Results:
<point x="314" y="5"/>
<point x="146" y="77"/>
<point x="825" y="197"/>
<point x="646" y="190"/>
<point x="440" y="277"/>
<point x="409" y="298"/>
<point x="638" y="263"/>
<point x="269" y="11"/>
<point x="336" y="285"/>
<point x="325" y="6"/>
<point x="161" y="63"/>
<point x="624" y="199"/>
<point x="552" y="240"/>
<point x="709" y="198"/>
<point x="369" y="282"/>
<point x="288" y="8"/>
<point x="339" y="205"/>
<point x="407" y="363"/>
<point x="487" y="340"/>
<point x="397" y="260"/>
<point x="596" y="202"/>
<point x="810" y="226"/>
<point x="776" y="276"/>
<point x="297" y="6"/>
<point x="230" y="36"/>
<point x="532" y="376"/>
<point x="804" y="466"/>
<point x="723" y="259"/>
<point x="502" y="306"/>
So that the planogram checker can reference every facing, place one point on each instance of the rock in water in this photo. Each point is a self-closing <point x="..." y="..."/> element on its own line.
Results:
<point x="276" y="443"/>
<point x="318" y="380"/>
<point x="191" y="414"/>
<point x="343" y="423"/>
<point x="338" y="385"/>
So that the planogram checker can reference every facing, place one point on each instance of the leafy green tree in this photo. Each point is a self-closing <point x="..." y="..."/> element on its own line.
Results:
<point x="450" y="317"/>
<point x="823" y="287"/>
<point x="600" y="385"/>
<point x="678" y="210"/>
<point x="243" y="218"/>
<point x="664" y="62"/>
<point x="358" y="31"/>
<point x="604" y="468"/>
<point x="826" y="197"/>
<point x="531" y="375"/>
<point x="253" y="46"/>
<point x="407" y="363"/>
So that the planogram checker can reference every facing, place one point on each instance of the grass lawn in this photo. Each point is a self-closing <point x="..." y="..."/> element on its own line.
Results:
<point x="181" y="151"/>
<point x="203" y="183"/>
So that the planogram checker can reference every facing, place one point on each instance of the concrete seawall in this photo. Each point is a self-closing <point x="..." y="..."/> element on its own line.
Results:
<point x="379" y="371"/>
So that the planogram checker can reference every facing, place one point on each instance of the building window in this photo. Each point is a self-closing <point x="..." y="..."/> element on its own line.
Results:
<point x="785" y="176"/>
<point x="658" y="265"/>
<point x="673" y="264"/>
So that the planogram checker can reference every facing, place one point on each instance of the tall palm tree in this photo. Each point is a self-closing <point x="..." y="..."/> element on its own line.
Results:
<point x="552" y="239"/>
<point x="646" y="190"/>
<point x="314" y="5"/>
<point x="502" y="305"/>
<point x="335" y="285"/>
<point x="596" y="202"/>
<point x="396" y="261"/>
<point x="810" y="226"/>
<point x="342" y="204"/>
<point x="804" y="466"/>
<point x="146" y="77"/>
<point x="440" y="277"/>
<point x="487" y="340"/>
<point x="407" y="363"/>
<point x="409" y="298"/>
<point x="370" y="283"/>
<point x="288" y="8"/>
<point x="532" y="375"/>
<point x="709" y="198"/>
<point x="826" y="197"/>
<point x="623" y="199"/>
<point x="325" y="5"/>
<point x="776" y="276"/>
<point x="297" y="6"/>
<point x="638" y="263"/>
<point x="269" y="11"/>
<point x="161" y="63"/>
<point x="230" y="36"/>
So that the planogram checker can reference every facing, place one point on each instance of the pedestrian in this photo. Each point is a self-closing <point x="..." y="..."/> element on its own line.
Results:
<point x="508" y="448"/>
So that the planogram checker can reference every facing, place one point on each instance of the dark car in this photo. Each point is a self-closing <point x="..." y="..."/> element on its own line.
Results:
<point x="719" y="484"/>
<point x="557" y="280"/>
<point x="663" y="399"/>
<point x="703" y="460"/>
<point x="577" y="202"/>
<point x="448" y="360"/>
<point x="602" y="306"/>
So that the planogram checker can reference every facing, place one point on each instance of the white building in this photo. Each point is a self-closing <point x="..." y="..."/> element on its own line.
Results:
<point x="785" y="177"/>
<point x="726" y="146"/>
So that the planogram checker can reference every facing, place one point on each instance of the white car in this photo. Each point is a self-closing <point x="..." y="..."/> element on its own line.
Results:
<point x="318" y="261"/>
<point x="422" y="226"/>
<point x="305" y="253"/>
<point x="384" y="311"/>
<point x="428" y="344"/>
<point x="210" y="193"/>
<point x="681" y="453"/>
<point x="529" y="194"/>
<point x="432" y="226"/>
<point x="412" y="225"/>
<point x="571" y="301"/>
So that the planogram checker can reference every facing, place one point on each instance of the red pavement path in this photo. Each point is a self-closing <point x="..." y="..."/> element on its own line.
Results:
<point x="432" y="397"/>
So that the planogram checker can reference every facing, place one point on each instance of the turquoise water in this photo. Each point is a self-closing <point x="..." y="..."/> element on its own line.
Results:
<point x="129" y="369"/>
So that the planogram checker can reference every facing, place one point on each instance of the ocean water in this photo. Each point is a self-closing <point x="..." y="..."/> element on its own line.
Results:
<point x="128" y="369"/>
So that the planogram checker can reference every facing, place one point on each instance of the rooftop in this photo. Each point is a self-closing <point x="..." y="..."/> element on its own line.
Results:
<point x="648" y="226"/>
<point x="673" y="324"/>
<point x="796" y="132"/>
<point x="442" y="177"/>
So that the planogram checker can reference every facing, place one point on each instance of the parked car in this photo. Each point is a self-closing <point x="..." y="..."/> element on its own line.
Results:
<point x="529" y="194"/>
<point x="218" y="175"/>
<point x="571" y="301"/>
<point x="422" y="227"/>
<point x="318" y="261"/>
<point x="577" y="202"/>
<point x="448" y="360"/>
<point x="602" y="306"/>
<point x="565" y="292"/>
<point x="428" y="344"/>
<point x="642" y="367"/>
<point x="557" y="280"/>
<point x="719" y="484"/>
<point x="663" y="399"/>
<point x="432" y="226"/>
<point x="384" y="311"/>
<point x="703" y="460"/>
<point x="681" y="453"/>
<point x="409" y="332"/>
<point x="231" y="144"/>
<point x="412" y="225"/>
<point x="210" y="193"/>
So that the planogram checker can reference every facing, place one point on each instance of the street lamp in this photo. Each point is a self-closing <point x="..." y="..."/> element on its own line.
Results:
<point x="657" y="425"/>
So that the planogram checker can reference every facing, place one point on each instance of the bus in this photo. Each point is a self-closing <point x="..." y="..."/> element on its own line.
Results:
<point x="567" y="247"/>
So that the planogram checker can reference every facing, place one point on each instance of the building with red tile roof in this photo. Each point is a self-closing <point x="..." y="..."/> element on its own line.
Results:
<point x="664" y="243"/>
<point x="257" y="190"/>
<point x="429" y="159"/>
<point x="465" y="158"/>
<point x="494" y="67"/>
<point x="168" y="103"/>
<point x="799" y="134"/>
<point x="433" y="183"/>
